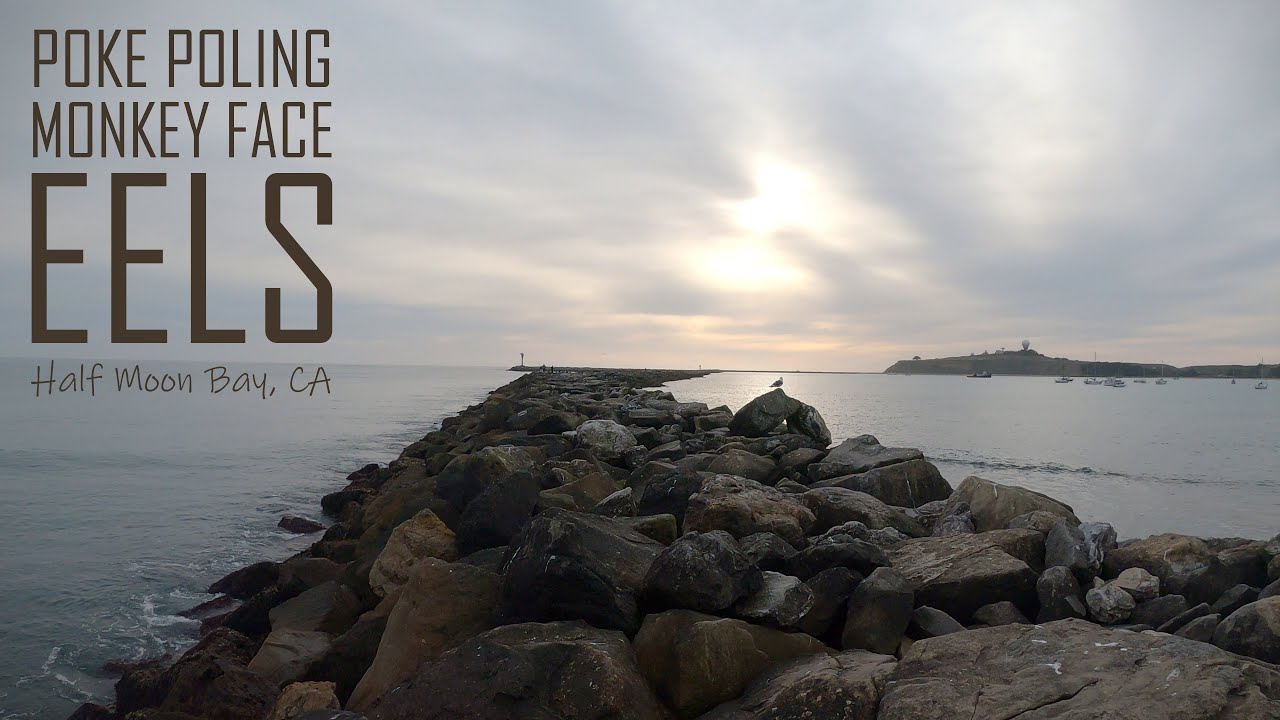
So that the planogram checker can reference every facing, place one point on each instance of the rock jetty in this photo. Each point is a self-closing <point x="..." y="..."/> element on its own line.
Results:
<point x="578" y="546"/>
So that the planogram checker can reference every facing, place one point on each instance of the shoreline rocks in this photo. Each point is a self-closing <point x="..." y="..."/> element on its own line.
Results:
<point x="582" y="545"/>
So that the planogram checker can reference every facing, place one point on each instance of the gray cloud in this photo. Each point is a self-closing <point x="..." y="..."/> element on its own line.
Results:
<point x="826" y="185"/>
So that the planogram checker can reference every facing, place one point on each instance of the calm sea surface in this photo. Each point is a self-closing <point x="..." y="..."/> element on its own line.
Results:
<point x="120" y="509"/>
<point x="1200" y="457"/>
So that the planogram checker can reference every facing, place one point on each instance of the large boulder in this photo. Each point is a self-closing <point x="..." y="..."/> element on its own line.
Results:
<point x="743" y="464"/>
<point x="847" y="686"/>
<point x="209" y="680"/>
<point x="1065" y="545"/>
<point x="994" y="505"/>
<point x="1186" y="565"/>
<point x="606" y="439"/>
<point x="1074" y="669"/>
<point x="1109" y="604"/>
<point x="743" y="507"/>
<point x="328" y="607"/>
<point x="879" y="611"/>
<point x="859" y="556"/>
<point x="530" y="670"/>
<point x="286" y="655"/>
<point x="422" y="536"/>
<point x="697" y="661"/>
<point x="466" y="476"/>
<point x="807" y="421"/>
<point x="701" y="571"/>
<point x="498" y="513"/>
<point x="766" y="412"/>
<point x="1253" y="630"/>
<point x="832" y="506"/>
<point x="1059" y="595"/>
<point x="668" y="494"/>
<point x="906" y="484"/>
<point x="780" y="601"/>
<point x="960" y="574"/>
<point x="442" y="605"/>
<point x="859" y="455"/>
<point x="567" y="565"/>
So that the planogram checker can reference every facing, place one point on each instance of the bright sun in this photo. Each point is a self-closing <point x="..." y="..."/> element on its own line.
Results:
<point x="783" y="200"/>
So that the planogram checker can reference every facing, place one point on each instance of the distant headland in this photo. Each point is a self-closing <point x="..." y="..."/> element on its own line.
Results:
<point x="1030" y="362"/>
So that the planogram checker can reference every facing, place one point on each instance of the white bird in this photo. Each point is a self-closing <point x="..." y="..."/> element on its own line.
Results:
<point x="777" y="383"/>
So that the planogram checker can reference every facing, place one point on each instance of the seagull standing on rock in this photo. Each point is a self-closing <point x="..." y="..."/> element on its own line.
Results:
<point x="777" y="383"/>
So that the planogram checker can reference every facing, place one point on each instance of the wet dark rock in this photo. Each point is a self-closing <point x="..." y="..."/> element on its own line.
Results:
<point x="831" y="590"/>
<point x="530" y="670"/>
<point x="766" y="412"/>
<point x="779" y="601"/>
<point x="927" y="622"/>
<point x="1201" y="629"/>
<point x="467" y="476"/>
<point x="832" y="506"/>
<point x="956" y="519"/>
<point x="767" y="551"/>
<point x="1000" y="613"/>
<point x="1059" y="595"/>
<point x="300" y="525"/>
<point x="1158" y="611"/>
<point x="568" y="565"/>
<point x="669" y="494"/>
<point x="807" y="421"/>
<point x="498" y="513"/>
<point x="1253" y="630"/>
<point x="911" y="483"/>
<point x="662" y="528"/>
<point x="1065" y="546"/>
<point x="1185" y="617"/>
<point x="248" y="581"/>
<point x="857" y="555"/>
<point x="880" y="609"/>
<point x="701" y="571"/>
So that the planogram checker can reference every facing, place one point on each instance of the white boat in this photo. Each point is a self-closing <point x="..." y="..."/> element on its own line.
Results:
<point x="1093" y="378"/>
<point x="1064" y="379"/>
<point x="1262" y="382"/>
<point x="1117" y="382"/>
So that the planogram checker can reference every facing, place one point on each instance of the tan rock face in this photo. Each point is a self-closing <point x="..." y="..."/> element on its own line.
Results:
<point x="994" y="505"/>
<point x="1075" y="669"/>
<point x="960" y="574"/>
<point x="442" y="605"/>
<point x="422" y="536"/>
<point x="697" y="661"/>
<point x="847" y="686"/>
<point x="302" y="697"/>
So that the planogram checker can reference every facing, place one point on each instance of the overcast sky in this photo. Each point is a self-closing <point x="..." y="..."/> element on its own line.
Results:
<point x="818" y="185"/>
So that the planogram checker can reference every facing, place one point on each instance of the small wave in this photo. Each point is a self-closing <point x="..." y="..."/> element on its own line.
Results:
<point x="979" y="463"/>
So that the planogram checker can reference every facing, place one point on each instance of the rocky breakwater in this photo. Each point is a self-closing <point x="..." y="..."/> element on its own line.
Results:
<point x="580" y="547"/>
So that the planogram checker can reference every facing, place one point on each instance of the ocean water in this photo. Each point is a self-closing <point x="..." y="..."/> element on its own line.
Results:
<point x="1200" y="457"/>
<point x="119" y="509"/>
